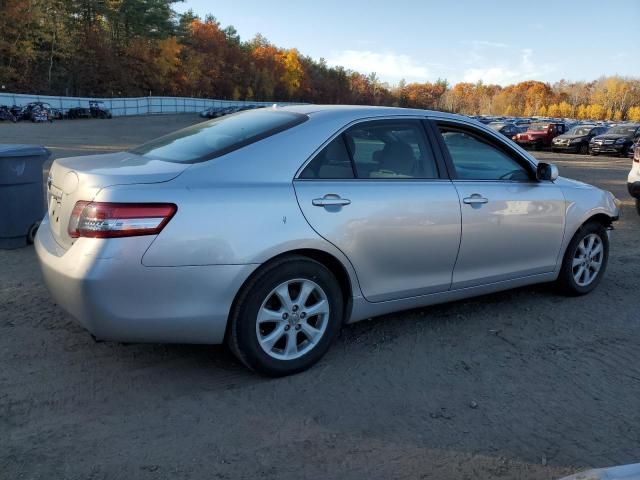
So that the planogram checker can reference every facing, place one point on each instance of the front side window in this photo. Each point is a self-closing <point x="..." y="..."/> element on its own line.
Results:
<point x="214" y="138"/>
<point x="474" y="158"/>
<point x="381" y="149"/>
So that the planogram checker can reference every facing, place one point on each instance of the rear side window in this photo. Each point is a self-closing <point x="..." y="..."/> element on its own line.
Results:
<point x="391" y="149"/>
<point x="381" y="149"/>
<point x="332" y="162"/>
<point x="214" y="138"/>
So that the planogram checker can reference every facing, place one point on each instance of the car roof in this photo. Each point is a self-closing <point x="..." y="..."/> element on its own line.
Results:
<point x="360" y="111"/>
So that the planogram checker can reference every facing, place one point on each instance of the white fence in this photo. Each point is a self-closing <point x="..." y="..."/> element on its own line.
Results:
<point x="129" y="106"/>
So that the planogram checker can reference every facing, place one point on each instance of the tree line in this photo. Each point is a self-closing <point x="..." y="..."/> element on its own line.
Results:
<point x="106" y="48"/>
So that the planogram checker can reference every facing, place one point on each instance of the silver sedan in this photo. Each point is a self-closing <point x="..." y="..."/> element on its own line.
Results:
<point x="270" y="229"/>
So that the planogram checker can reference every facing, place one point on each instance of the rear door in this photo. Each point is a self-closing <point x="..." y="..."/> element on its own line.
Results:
<point x="377" y="192"/>
<point x="512" y="224"/>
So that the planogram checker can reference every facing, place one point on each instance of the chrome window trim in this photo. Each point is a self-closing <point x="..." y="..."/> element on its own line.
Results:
<point x="418" y="118"/>
<point x="514" y="149"/>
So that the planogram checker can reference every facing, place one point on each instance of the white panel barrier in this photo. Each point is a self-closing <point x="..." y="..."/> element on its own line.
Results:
<point x="130" y="106"/>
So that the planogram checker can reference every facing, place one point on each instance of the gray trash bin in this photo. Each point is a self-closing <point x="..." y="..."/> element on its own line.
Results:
<point x="22" y="203"/>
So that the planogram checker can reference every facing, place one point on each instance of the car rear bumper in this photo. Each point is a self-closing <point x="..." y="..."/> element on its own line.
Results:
<point x="634" y="189"/>
<point x="103" y="285"/>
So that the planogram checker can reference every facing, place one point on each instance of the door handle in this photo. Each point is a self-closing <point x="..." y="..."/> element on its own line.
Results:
<point x="330" y="200"/>
<point x="475" y="199"/>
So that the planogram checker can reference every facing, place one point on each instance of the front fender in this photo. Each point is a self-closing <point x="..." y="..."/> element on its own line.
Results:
<point x="584" y="202"/>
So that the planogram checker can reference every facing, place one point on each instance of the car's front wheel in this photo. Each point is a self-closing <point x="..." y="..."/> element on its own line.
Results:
<point x="585" y="260"/>
<point x="286" y="317"/>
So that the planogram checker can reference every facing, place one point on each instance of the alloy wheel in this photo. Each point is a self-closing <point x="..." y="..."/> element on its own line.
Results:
<point x="292" y="319"/>
<point x="587" y="260"/>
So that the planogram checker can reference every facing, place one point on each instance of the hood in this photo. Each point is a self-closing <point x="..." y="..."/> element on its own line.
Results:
<point x="611" y="136"/>
<point x="570" y="182"/>
<point x="570" y="137"/>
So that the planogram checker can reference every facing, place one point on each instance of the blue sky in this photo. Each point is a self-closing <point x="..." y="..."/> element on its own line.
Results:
<point x="461" y="40"/>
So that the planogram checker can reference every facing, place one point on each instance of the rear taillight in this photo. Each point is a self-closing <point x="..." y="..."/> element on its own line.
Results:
<point x="110" y="220"/>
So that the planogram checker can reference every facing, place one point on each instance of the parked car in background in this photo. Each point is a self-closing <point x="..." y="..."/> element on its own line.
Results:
<point x="216" y="112"/>
<point x="617" y="139"/>
<point x="633" y="180"/>
<point x="98" y="109"/>
<point x="17" y="111"/>
<point x="577" y="139"/>
<point x="36" y="112"/>
<point x="633" y="149"/>
<point x="57" y="113"/>
<point x="509" y="130"/>
<point x="522" y="122"/>
<point x="78" y="112"/>
<point x="311" y="239"/>
<point x="540" y="134"/>
<point x="6" y="115"/>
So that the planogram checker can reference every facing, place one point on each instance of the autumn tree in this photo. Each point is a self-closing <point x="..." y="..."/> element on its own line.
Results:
<point x="138" y="47"/>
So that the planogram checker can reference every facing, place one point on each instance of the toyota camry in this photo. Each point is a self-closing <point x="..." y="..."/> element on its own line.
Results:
<point x="270" y="229"/>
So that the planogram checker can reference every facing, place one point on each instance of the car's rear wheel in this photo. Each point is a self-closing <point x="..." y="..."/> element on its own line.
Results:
<point x="584" y="149"/>
<point x="585" y="260"/>
<point x="286" y="317"/>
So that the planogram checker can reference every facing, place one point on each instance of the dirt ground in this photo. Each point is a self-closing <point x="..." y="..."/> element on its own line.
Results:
<point x="521" y="384"/>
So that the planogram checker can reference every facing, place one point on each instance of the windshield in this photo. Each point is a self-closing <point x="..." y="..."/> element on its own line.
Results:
<point x="623" y="130"/>
<point x="536" y="127"/>
<point x="580" y="131"/>
<point x="214" y="138"/>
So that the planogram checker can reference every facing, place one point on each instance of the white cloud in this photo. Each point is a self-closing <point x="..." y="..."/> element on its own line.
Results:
<point x="485" y="43"/>
<point x="503" y="74"/>
<point x="388" y="66"/>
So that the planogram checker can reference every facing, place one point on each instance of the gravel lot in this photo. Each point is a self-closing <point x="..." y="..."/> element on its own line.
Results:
<point x="521" y="384"/>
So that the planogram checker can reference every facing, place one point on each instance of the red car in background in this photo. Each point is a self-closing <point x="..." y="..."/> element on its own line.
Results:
<point x="540" y="134"/>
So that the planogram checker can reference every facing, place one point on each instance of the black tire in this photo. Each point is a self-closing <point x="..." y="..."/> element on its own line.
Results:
<point x="31" y="234"/>
<point x="242" y="337"/>
<point x="566" y="281"/>
<point x="583" y="149"/>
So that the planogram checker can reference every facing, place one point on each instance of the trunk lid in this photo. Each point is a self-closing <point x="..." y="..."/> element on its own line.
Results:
<point x="81" y="178"/>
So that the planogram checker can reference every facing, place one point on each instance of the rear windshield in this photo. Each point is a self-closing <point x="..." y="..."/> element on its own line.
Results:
<point x="214" y="138"/>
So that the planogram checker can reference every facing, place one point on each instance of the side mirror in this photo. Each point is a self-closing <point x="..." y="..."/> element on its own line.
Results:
<point x="546" y="171"/>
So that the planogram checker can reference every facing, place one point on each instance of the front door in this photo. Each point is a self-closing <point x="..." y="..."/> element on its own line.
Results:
<point x="376" y="192"/>
<point x="512" y="224"/>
